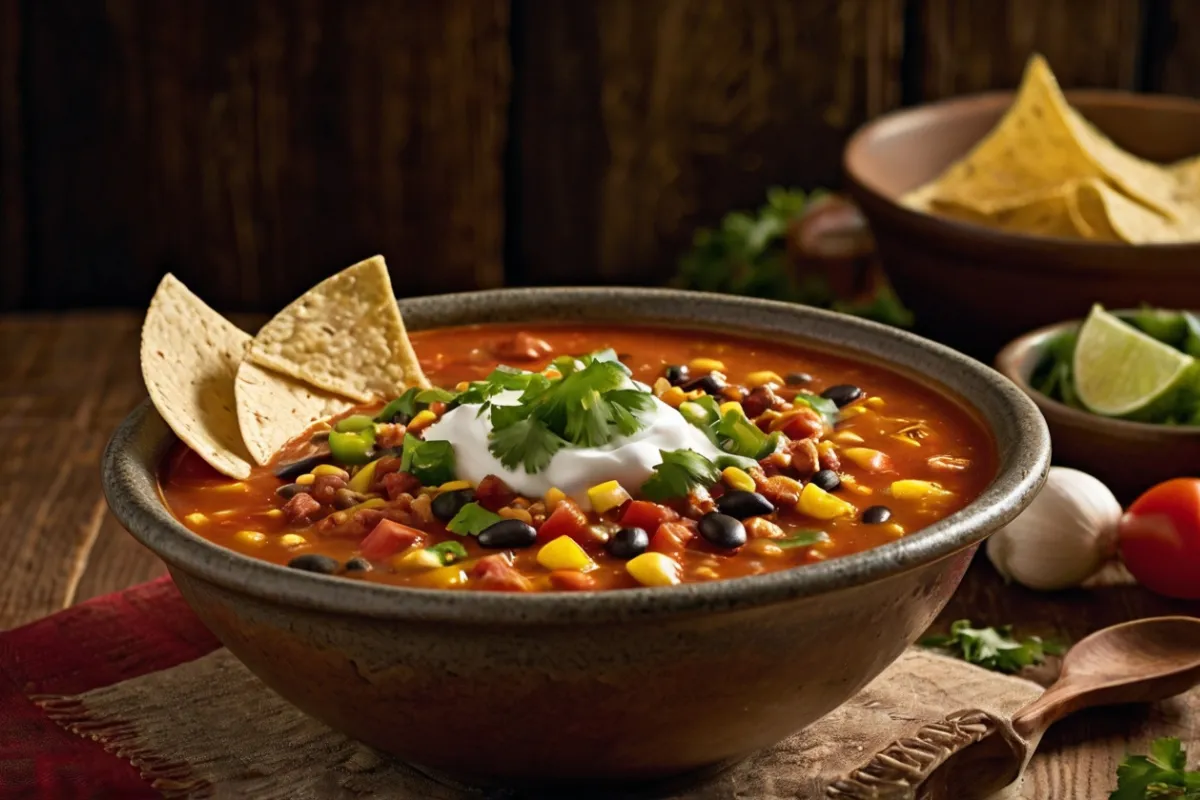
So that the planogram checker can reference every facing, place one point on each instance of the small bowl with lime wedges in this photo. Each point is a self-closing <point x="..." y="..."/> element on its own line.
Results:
<point x="1120" y="392"/>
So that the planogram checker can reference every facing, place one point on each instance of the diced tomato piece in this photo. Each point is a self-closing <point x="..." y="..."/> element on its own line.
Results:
<point x="567" y="519"/>
<point x="495" y="574"/>
<point x="398" y="483"/>
<point x="493" y="493"/>
<point x="387" y="539"/>
<point x="803" y="423"/>
<point x="671" y="538"/>
<point x="570" y="580"/>
<point x="647" y="515"/>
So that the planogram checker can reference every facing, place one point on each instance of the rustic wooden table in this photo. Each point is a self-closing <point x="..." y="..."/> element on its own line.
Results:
<point x="66" y="381"/>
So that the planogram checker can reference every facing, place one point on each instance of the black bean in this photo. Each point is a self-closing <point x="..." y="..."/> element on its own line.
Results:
<point x="447" y="504"/>
<point x="507" y="534"/>
<point x="797" y="378"/>
<point x="297" y="468"/>
<point x="677" y="374"/>
<point x="315" y="562"/>
<point x="741" y="505"/>
<point x="712" y="383"/>
<point x="842" y="394"/>
<point x="722" y="530"/>
<point x="876" y="515"/>
<point x="627" y="543"/>
<point x="290" y="490"/>
<point x="826" y="479"/>
<point x="358" y="564"/>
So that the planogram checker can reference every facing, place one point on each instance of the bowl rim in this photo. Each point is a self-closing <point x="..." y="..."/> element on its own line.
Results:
<point x="1008" y="363"/>
<point x="132" y="456"/>
<point x="968" y="105"/>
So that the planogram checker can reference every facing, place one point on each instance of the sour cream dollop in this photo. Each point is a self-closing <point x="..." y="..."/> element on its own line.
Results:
<point x="629" y="460"/>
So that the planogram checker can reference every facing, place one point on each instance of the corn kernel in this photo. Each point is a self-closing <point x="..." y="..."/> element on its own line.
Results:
<point x="894" y="529"/>
<point x="853" y="411"/>
<point x="306" y="479"/>
<point x="442" y="577"/>
<point x="453" y="486"/>
<point x="236" y="486"/>
<point x="516" y="513"/>
<point x="418" y="558"/>
<point x="874" y="402"/>
<point x="764" y="378"/>
<point x="552" y="374"/>
<point x="462" y="386"/>
<point x="330" y="469"/>
<point x="770" y="415"/>
<point x="826" y="447"/>
<point x="653" y="569"/>
<point x="706" y="365"/>
<point x="273" y="513"/>
<point x="858" y="488"/>
<point x="706" y="573"/>
<point x="251" y="537"/>
<point x="196" y="518"/>
<point x="906" y="440"/>
<point x="606" y="496"/>
<point x="565" y="553"/>
<point x="674" y="397"/>
<point x="868" y="458"/>
<point x="918" y="490"/>
<point x="660" y="386"/>
<point x="292" y="540"/>
<point x="363" y="479"/>
<point x="764" y="547"/>
<point x="733" y="406"/>
<point x="816" y="502"/>
<point x="738" y="479"/>
<point x="423" y="419"/>
<point x="848" y="437"/>
<point x="553" y="497"/>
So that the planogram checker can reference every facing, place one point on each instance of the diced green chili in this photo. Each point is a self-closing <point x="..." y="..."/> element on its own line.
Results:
<point x="431" y="462"/>
<point x="354" y="423"/>
<point x="448" y="552"/>
<point x="352" y="448"/>
<point x="802" y="539"/>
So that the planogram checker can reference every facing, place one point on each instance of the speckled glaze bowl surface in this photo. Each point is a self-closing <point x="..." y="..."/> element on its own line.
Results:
<point x="616" y="686"/>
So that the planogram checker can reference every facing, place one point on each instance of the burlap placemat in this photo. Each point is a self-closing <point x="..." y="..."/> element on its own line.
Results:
<point x="208" y="728"/>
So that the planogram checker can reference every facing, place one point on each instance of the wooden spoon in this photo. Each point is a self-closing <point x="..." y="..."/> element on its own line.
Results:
<point x="1135" y="662"/>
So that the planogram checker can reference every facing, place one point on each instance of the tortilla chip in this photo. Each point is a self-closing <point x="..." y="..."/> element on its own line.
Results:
<point x="1187" y="173"/>
<point x="272" y="409"/>
<point x="344" y="335"/>
<point x="190" y="355"/>
<point x="1042" y="145"/>
<point x="1117" y="218"/>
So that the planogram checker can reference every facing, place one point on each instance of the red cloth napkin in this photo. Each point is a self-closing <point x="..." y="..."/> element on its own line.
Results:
<point x="95" y="644"/>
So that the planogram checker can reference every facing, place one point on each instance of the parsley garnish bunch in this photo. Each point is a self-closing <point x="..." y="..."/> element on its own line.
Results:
<point x="992" y="648"/>
<point x="1161" y="775"/>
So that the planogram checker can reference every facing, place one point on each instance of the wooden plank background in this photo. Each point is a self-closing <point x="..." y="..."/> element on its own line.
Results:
<point x="253" y="148"/>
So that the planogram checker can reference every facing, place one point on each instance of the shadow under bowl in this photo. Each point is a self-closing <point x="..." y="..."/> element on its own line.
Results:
<point x="562" y="688"/>
<point x="1128" y="457"/>
<point x="976" y="288"/>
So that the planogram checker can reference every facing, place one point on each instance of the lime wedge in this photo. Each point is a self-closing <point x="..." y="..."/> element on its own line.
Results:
<point x="1119" y="370"/>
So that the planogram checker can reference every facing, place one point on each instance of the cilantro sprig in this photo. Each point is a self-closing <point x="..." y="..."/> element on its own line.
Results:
<point x="1161" y="775"/>
<point x="679" y="473"/>
<point x="992" y="648"/>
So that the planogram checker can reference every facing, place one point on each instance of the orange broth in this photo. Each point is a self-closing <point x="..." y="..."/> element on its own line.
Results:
<point x="910" y="422"/>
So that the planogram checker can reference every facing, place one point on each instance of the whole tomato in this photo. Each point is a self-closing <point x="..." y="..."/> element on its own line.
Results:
<point x="1160" y="538"/>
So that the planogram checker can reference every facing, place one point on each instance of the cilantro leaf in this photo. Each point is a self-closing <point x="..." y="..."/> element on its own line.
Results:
<point x="411" y="403"/>
<point x="1160" y="776"/>
<point x="527" y="441"/>
<point x="431" y="462"/>
<point x="802" y="539"/>
<point x="822" y="405"/>
<point x="628" y="409"/>
<point x="471" y="520"/>
<point x="992" y="648"/>
<point x="679" y="473"/>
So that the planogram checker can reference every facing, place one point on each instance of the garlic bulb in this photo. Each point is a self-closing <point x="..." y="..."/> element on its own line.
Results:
<point x="1063" y="537"/>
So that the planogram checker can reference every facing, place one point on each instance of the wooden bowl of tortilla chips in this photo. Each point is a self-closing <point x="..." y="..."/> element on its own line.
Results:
<point x="1002" y="212"/>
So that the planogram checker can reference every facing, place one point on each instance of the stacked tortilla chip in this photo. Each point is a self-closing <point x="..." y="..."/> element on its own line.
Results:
<point x="236" y="399"/>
